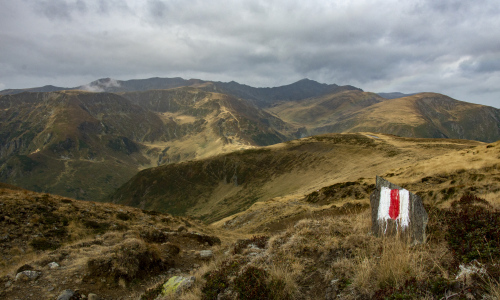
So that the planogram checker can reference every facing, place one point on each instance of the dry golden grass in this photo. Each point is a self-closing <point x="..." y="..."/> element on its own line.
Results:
<point x="280" y="196"/>
<point x="309" y="246"/>
<point x="399" y="263"/>
<point x="493" y="287"/>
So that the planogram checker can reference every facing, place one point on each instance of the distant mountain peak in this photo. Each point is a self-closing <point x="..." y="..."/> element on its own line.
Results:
<point x="394" y="95"/>
<point x="308" y="81"/>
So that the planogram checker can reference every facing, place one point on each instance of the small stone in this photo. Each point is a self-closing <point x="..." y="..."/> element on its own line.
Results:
<point x="66" y="295"/>
<point x="93" y="296"/>
<point x="206" y="254"/>
<point x="8" y="284"/>
<point x="176" y="285"/>
<point x="50" y="289"/>
<point x="467" y="271"/>
<point x="53" y="265"/>
<point x="196" y="266"/>
<point x="182" y="229"/>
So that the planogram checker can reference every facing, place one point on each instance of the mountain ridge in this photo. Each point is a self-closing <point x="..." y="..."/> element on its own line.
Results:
<point x="429" y="115"/>
<point x="303" y="88"/>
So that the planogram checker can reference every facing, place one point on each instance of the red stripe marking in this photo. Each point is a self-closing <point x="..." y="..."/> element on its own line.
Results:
<point x="394" y="207"/>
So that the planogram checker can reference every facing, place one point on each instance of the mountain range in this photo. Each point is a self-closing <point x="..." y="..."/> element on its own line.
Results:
<point x="87" y="141"/>
<point x="242" y="193"/>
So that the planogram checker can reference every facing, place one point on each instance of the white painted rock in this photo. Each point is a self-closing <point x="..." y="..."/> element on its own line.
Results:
<point x="396" y="211"/>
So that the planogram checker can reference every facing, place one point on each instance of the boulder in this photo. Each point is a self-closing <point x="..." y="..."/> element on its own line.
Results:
<point x="27" y="275"/>
<point x="396" y="211"/>
<point x="93" y="297"/>
<point x="66" y="295"/>
<point x="176" y="285"/>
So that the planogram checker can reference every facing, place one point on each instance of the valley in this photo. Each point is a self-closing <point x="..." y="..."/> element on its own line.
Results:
<point x="56" y="140"/>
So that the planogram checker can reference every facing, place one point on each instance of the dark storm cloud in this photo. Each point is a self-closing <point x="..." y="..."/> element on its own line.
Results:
<point x="444" y="46"/>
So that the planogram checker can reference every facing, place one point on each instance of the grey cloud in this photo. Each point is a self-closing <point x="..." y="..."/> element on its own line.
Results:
<point x="60" y="9"/>
<point x="158" y="10"/>
<point x="426" y="45"/>
<point x="488" y="63"/>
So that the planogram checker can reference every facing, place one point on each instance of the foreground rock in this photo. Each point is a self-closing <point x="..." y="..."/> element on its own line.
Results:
<point x="176" y="285"/>
<point x="396" y="211"/>
<point x="27" y="275"/>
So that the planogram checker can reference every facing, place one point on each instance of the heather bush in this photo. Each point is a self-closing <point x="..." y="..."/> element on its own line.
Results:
<point x="473" y="230"/>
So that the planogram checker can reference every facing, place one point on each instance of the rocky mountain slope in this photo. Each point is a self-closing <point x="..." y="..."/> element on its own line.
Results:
<point x="51" y="244"/>
<point x="84" y="144"/>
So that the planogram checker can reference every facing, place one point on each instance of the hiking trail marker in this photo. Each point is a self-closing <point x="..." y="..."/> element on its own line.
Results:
<point x="396" y="211"/>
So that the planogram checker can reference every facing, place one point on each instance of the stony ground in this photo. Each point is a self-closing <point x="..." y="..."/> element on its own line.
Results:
<point x="50" y="244"/>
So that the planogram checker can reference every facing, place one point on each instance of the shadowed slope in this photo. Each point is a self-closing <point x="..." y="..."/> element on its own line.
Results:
<point x="73" y="143"/>
<point x="217" y="187"/>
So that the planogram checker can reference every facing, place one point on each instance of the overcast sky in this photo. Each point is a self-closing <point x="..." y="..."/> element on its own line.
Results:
<point x="445" y="46"/>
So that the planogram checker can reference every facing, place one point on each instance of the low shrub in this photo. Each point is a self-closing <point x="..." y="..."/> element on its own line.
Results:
<point x="259" y="241"/>
<point x="97" y="227"/>
<point x="154" y="236"/>
<point x="129" y="260"/>
<point x="217" y="281"/>
<point x="251" y="284"/>
<point x="123" y="216"/>
<point x="44" y="244"/>
<point x="473" y="230"/>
